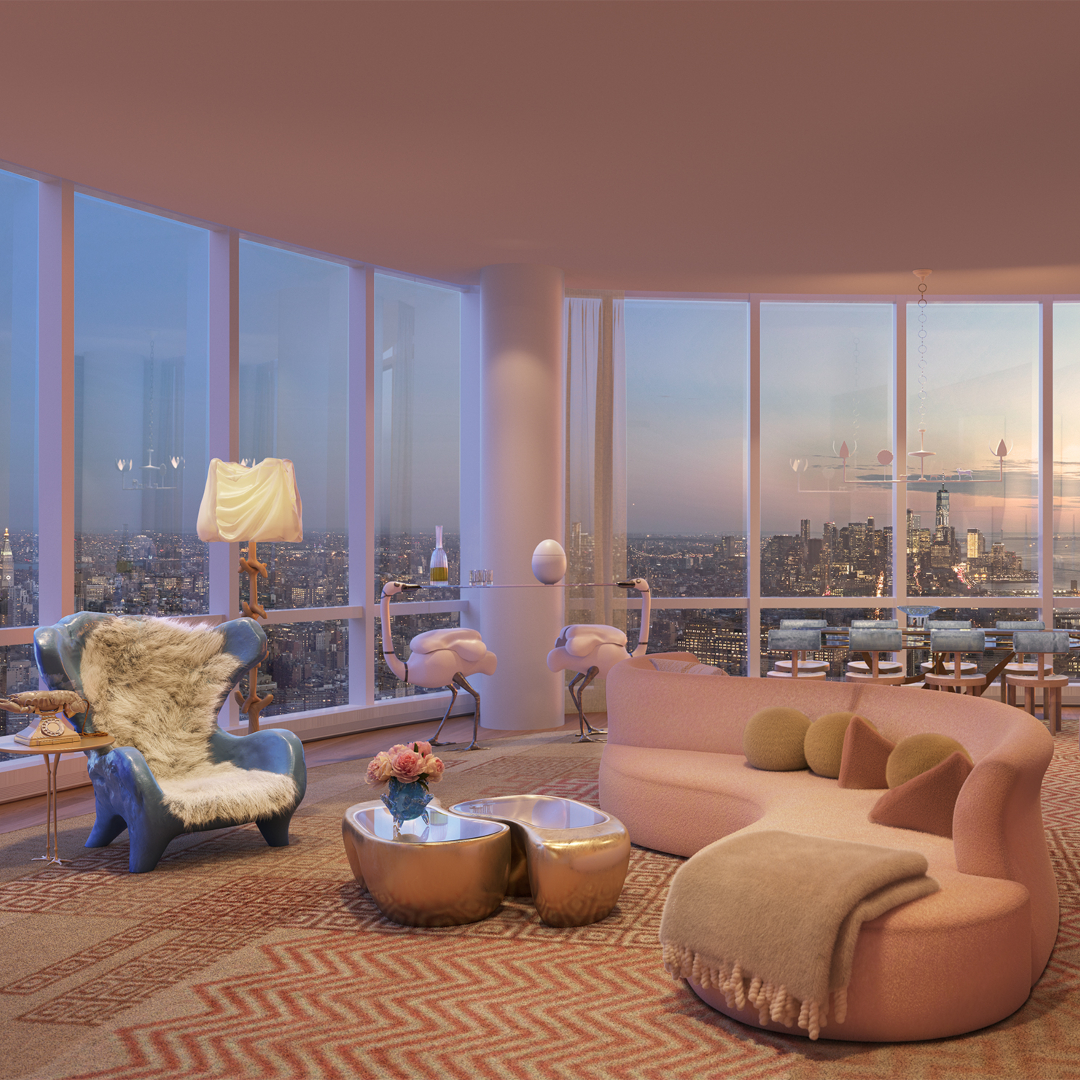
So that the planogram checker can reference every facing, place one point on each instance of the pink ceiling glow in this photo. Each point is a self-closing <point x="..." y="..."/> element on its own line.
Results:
<point x="785" y="146"/>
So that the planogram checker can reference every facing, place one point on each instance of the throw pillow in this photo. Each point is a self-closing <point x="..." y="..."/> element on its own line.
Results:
<point x="704" y="669"/>
<point x="824" y="743"/>
<point x="918" y="753"/>
<point x="662" y="664"/>
<point x="864" y="757"/>
<point x="926" y="802"/>
<point x="773" y="739"/>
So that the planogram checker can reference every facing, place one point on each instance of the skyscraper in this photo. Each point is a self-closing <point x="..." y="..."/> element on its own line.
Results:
<point x="7" y="582"/>
<point x="941" y="515"/>
<point x="7" y="564"/>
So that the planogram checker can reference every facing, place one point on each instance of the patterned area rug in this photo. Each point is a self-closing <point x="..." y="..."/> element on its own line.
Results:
<point x="234" y="959"/>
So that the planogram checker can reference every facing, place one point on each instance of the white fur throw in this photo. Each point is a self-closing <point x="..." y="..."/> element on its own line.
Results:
<point x="154" y="684"/>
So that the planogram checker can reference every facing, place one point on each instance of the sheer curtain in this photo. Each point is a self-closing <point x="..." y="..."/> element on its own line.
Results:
<point x="595" y="541"/>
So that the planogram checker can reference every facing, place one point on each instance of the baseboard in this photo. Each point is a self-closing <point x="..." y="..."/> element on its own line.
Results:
<point x="26" y="777"/>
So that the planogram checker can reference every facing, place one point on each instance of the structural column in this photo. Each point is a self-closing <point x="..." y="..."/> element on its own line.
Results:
<point x="521" y="475"/>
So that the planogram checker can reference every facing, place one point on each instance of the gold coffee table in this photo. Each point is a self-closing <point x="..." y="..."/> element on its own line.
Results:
<point x="571" y="858"/>
<point x="8" y="745"/>
<point x="442" y="874"/>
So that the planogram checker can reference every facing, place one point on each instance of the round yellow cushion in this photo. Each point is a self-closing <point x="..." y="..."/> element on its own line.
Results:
<point x="773" y="739"/>
<point x="918" y="753"/>
<point x="824" y="742"/>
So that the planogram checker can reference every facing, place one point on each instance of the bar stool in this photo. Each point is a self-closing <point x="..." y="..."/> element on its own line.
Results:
<point x="796" y="641"/>
<point x="1008" y="693"/>
<point x="1042" y="643"/>
<point x="955" y="643"/>
<point x="806" y="667"/>
<point x="886" y="667"/>
<point x="967" y="667"/>
<point x="875" y="640"/>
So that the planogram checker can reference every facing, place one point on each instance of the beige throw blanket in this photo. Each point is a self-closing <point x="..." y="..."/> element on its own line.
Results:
<point x="772" y="918"/>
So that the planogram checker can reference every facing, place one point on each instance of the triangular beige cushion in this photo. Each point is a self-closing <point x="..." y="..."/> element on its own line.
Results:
<point x="925" y="803"/>
<point x="864" y="757"/>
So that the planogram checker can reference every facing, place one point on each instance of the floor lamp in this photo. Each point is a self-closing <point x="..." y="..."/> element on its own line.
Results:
<point x="260" y="502"/>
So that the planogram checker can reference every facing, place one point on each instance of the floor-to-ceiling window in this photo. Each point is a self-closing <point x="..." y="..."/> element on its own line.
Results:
<point x="661" y="470"/>
<point x="826" y="449"/>
<point x="972" y="525"/>
<point x="685" y="470"/>
<point x="18" y="444"/>
<point x="141" y="384"/>
<point x="293" y="404"/>
<point x="416" y="410"/>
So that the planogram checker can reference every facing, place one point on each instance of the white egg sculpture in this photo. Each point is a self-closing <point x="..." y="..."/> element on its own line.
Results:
<point x="549" y="562"/>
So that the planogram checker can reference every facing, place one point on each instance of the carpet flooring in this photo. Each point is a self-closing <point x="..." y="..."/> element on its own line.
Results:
<point x="237" y="960"/>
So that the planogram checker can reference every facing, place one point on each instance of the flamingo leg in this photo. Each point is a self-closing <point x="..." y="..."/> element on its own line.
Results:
<point x="453" y="697"/>
<point x="464" y="684"/>
<point x="586" y="730"/>
<point x="578" y="676"/>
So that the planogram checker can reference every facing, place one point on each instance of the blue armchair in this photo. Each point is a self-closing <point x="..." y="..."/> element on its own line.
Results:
<point x="156" y="686"/>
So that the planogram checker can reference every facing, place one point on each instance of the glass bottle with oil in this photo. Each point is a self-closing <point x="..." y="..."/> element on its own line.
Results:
<point x="440" y="574"/>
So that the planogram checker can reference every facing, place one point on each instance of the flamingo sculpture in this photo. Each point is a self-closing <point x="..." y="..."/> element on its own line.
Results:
<point x="593" y="649"/>
<point x="438" y="658"/>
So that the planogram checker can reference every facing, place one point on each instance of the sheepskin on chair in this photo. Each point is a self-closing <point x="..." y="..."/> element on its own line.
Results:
<point x="156" y="685"/>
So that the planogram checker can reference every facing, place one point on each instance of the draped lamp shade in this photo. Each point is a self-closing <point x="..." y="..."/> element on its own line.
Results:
<point x="257" y="503"/>
<point x="253" y="503"/>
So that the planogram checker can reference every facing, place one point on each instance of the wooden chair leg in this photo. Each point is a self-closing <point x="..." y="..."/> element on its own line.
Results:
<point x="1029" y="699"/>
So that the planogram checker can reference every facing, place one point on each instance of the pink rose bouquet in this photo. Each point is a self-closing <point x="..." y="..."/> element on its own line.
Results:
<point x="412" y="764"/>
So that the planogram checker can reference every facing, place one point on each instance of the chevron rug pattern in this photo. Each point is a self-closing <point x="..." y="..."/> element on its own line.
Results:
<point x="236" y="960"/>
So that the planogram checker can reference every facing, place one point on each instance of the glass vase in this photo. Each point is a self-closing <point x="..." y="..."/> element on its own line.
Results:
<point x="406" y="801"/>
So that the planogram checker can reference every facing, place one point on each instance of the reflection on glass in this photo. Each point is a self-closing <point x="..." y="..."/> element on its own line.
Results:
<point x="1066" y="449"/>
<point x="685" y="446"/>
<point x="18" y="369"/>
<point x="141" y="381"/>
<point x="417" y="395"/>
<point x="972" y="526"/>
<point x="294" y="404"/>
<point x="826" y="449"/>
<point x="308" y="666"/>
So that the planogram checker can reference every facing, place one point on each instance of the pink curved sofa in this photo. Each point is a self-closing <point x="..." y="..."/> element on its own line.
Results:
<point x="674" y="773"/>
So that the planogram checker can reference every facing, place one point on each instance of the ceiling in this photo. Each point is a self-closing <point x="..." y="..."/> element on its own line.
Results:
<point x="659" y="146"/>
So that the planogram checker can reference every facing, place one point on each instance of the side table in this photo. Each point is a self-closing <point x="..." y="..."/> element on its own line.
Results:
<point x="8" y="745"/>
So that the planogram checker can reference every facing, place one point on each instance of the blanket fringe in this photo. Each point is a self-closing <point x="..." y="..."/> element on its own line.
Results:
<point x="772" y="1002"/>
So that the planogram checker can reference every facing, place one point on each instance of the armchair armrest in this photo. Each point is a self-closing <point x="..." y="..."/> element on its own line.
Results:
<point x="273" y="749"/>
<point x="129" y="779"/>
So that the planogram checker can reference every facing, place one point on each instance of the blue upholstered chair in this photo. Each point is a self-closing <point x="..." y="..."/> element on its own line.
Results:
<point x="202" y="777"/>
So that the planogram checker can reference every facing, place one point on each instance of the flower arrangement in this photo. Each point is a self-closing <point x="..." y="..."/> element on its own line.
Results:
<point x="407" y="771"/>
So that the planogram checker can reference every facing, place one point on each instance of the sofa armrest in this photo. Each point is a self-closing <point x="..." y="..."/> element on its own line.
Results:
<point x="998" y="828"/>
